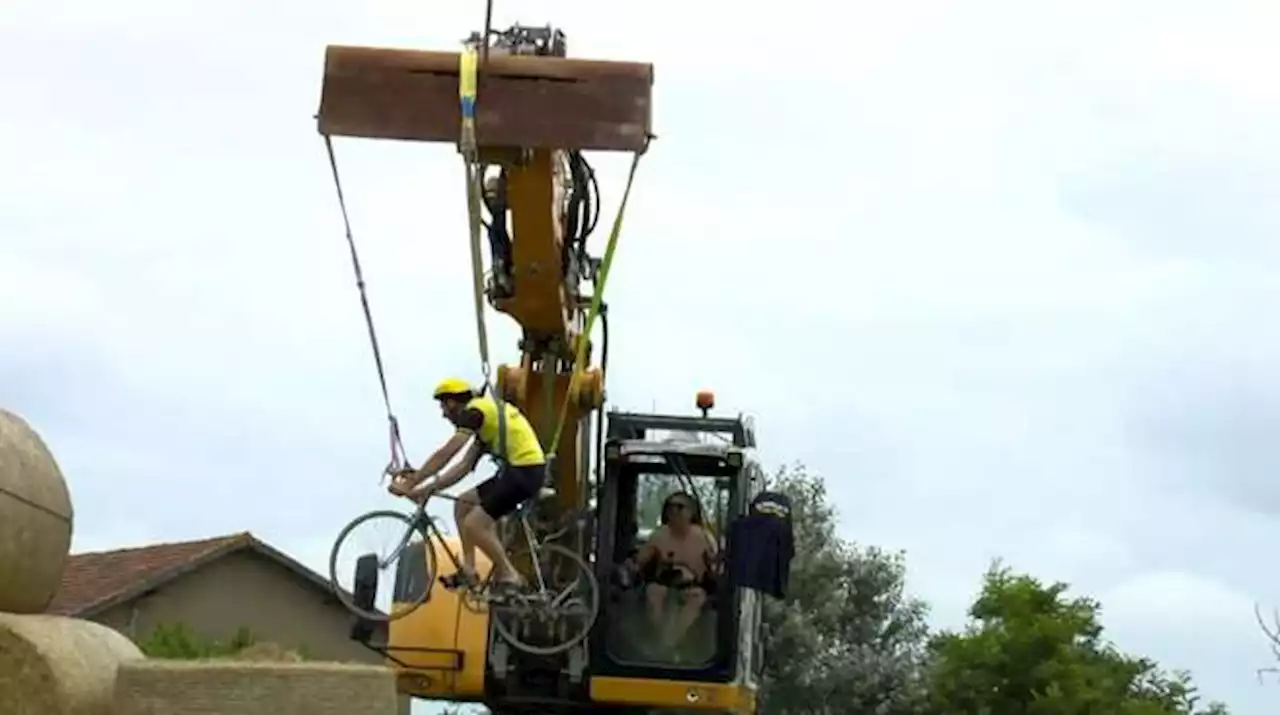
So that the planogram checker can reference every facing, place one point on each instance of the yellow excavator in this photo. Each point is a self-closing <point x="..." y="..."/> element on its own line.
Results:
<point x="522" y="114"/>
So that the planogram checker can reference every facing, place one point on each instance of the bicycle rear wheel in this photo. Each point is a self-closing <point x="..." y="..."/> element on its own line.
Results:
<point x="391" y="562"/>
<point x="557" y="619"/>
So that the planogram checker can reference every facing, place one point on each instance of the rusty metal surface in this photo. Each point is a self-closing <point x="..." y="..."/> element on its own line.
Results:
<point x="533" y="102"/>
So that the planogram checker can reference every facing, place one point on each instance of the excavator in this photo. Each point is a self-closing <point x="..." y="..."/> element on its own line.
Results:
<point x="523" y="113"/>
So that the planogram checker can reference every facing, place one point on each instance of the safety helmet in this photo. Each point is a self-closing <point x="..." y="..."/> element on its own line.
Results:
<point x="452" y="386"/>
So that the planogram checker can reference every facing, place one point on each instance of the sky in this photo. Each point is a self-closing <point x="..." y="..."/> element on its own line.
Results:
<point x="1002" y="276"/>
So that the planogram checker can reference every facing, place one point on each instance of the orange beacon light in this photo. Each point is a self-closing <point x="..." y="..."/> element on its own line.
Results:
<point x="706" y="401"/>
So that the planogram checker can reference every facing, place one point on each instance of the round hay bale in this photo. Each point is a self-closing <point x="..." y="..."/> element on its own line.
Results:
<point x="50" y="665"/>
<point x="35" y="519"/>
<point x="229" y="687"/>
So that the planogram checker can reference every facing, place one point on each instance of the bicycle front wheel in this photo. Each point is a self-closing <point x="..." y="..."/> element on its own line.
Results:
<point x="390" y="564"/>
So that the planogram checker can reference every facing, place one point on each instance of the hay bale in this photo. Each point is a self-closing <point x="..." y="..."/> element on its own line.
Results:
<point x="229" y="687"/>
<point x="35" y="519"/>
<point x="50" y="665"/>
<point x="268" y="652"/>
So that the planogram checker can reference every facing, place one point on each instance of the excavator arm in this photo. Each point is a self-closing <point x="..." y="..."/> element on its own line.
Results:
<point x="532" y="195"/>
<point x="536" y="111"/>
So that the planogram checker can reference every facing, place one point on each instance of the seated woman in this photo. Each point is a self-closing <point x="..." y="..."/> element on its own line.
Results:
<point x="678" y="557"/>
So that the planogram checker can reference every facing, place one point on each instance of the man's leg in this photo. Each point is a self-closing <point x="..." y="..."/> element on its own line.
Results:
<point x="480" y="529"/>
<point x="512" y="487"/>
<point x="655" y="597"/>
<point x="692" y="601"/>
<point x="502" y="495"/>
<point x="469" y="501"/>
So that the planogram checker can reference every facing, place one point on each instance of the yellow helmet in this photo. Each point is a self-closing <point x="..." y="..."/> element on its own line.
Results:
<point x="453" y="386"/>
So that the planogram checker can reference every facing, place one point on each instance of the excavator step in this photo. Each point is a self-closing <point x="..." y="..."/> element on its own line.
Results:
<point x="534" y="102"/>
<point x="437" y="659"/>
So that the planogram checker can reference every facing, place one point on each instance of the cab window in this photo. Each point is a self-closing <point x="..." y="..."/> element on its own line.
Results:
<point x="668" y="615"/>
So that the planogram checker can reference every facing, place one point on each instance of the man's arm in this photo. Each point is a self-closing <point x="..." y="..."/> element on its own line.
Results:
<point x="712" y="544"/>
<point x="649" y="551"/>
<point x="454" y="474"/>
<point x="469" y="423"/>
<point x="710" y="550"/>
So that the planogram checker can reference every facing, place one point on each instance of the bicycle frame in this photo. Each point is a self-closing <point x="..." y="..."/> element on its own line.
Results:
<point x="528" y="606"/>
<point x="426" y="524"/>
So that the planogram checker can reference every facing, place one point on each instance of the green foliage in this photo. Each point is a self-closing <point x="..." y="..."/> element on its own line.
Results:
<point x="1031" y="650"/>
<point x="848" y="637"/>
<point x="178" y="642"/>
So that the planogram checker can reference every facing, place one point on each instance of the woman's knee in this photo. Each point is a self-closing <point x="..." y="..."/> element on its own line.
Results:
<point x="695" y="597"/>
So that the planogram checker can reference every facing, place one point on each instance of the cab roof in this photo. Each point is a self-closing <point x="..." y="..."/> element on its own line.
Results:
<point x="681" y="447"/>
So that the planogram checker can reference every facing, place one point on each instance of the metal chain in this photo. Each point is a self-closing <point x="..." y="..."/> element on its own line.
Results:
<point x="398" y="460"/>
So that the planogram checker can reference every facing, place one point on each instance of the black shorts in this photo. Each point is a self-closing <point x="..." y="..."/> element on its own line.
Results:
<point x="504" y="492"/>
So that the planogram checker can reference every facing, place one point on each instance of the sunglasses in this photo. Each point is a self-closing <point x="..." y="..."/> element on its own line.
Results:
<point x="677" y="506"/>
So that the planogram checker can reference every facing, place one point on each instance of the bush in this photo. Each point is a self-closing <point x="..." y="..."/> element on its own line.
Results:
<point x="178" y="642"/>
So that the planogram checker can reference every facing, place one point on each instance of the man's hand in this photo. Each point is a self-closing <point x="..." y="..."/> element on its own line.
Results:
<point x="407" y="474"/>
<point x="628" y="573"/>
<point x="398" y="488"/>
<point x="403" y="482"/>
<point x="422" y="493"/>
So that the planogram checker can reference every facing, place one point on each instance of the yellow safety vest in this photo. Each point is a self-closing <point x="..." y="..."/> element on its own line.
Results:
<point x="523" y="447"/>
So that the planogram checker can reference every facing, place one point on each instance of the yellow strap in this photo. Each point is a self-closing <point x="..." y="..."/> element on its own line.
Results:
<point x="467" y="71"/>
<point x="467" y="63"/>
<point x="581" y="357"/>
<point x="467" y="144"/>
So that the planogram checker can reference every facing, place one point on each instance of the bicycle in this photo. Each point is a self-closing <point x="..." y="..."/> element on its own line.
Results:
<point x="540" y="612"/>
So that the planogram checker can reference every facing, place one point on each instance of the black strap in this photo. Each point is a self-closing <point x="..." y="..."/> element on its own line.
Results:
<point x="398" y="459"/>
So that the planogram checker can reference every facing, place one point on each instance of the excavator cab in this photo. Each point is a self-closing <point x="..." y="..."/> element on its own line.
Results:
<point x="714" y="665"/>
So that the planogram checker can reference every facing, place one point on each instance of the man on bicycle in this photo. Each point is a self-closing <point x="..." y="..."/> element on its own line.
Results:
<point x="521" y="474"/>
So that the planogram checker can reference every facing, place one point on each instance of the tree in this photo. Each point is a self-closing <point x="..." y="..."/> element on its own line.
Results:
<point x="1030" y="650"/>
<point x="1273" y="637"/>
<point x="848" y="639"/>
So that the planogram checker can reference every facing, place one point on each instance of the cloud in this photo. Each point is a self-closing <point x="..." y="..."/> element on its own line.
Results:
<point x="1000" y="271"/>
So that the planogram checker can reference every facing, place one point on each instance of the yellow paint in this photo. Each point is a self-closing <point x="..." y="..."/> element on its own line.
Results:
<point x="541" y="304"/>
<point x="446" y="626"/>
<point x="686" y="695"/>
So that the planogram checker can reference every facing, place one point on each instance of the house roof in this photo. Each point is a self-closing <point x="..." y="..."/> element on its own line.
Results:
<point x="94" y="582"/>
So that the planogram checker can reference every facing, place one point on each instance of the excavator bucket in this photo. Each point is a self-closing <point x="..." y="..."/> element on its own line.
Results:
<point x="526" y="101"/>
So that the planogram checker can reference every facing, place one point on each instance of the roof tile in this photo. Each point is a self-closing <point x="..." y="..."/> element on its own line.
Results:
<point x="92" y="578"/>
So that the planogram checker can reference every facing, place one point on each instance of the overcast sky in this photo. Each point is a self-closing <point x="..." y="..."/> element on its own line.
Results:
<point x="1002" y="271"/>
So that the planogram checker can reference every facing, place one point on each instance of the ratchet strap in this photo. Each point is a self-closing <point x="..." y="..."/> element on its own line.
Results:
<point x="580" y="357"/>
<point x="468" y="63"/>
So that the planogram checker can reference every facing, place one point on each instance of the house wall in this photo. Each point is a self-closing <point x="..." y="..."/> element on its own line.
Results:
<point x="247" y="590"/>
